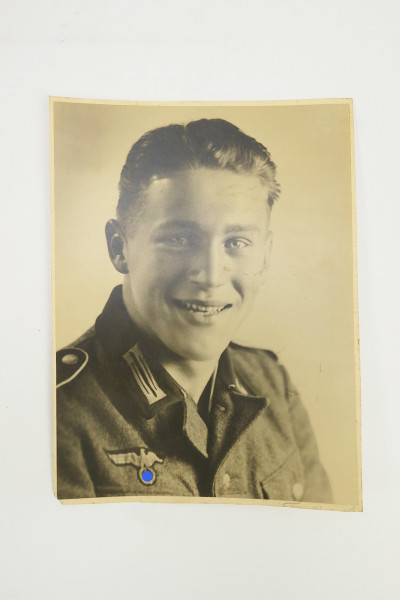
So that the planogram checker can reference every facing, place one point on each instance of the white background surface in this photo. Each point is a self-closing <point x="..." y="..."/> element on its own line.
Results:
<point x="211" y="50"/>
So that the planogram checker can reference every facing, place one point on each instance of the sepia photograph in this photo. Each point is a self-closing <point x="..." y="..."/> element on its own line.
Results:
<point x="205" y="319"/>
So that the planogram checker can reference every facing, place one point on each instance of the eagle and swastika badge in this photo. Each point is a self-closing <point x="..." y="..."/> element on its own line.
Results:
<point x="142" y="459"/>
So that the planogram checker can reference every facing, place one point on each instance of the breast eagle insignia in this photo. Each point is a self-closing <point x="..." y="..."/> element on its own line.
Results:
<point x="142" y="459"/>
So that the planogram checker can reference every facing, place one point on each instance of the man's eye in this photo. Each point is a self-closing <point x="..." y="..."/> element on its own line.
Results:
<point x="237" y="243"/>
<point x="175" y="241"/>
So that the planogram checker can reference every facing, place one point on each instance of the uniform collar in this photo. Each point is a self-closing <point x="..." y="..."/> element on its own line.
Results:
<point x="114" y="327"/>
<point x="236" y="380"/>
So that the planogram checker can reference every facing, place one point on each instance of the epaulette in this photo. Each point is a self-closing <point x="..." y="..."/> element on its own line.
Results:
<point x="69" y="363"/>
<point x="254" y="349"/>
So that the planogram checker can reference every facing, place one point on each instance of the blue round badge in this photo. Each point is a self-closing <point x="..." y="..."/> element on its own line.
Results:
<point x="147" y="476"/>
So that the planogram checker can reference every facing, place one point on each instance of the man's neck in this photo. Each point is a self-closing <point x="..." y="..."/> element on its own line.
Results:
<point x="192" y="376"/>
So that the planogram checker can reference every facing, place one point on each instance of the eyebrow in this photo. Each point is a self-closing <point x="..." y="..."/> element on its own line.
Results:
<point x="192" y="225"/>
<point x="177" y="223"/>
<point x="238" y="228"/>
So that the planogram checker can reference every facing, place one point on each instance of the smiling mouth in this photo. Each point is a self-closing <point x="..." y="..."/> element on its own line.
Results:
<point x="204" y="309"/>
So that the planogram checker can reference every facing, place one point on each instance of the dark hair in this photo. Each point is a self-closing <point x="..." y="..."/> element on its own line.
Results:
<point x="211" y="143"/>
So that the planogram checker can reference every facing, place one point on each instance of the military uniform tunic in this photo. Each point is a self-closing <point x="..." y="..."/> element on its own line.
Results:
<point x="126" y="428"/>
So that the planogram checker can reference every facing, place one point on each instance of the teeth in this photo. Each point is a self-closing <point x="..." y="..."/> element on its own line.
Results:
<point x="209" y="310"/>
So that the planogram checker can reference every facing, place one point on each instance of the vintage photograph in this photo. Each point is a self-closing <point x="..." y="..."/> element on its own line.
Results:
<point x="205" y="321"/>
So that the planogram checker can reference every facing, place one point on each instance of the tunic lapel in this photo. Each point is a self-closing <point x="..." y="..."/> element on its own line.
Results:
<point x="235" y="408"/>
<point x="194" y="427"/>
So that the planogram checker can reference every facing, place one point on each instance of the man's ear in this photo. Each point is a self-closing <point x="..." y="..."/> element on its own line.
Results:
<point x="116" y="246"/>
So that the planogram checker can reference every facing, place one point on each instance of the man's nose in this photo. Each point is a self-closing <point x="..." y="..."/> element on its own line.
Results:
<point x="208" y="266"/>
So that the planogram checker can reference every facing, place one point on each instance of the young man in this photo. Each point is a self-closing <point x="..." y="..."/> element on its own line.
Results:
<point x="155" y="399"/>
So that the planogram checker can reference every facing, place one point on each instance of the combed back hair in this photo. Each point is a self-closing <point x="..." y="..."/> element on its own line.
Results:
<point x="211" y="143"/>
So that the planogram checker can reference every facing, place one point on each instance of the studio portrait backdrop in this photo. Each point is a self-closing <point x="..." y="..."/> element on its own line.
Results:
<point x="306" y="312"/>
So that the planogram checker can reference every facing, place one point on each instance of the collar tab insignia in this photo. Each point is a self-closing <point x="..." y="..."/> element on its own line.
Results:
<point x="143" y="375"/>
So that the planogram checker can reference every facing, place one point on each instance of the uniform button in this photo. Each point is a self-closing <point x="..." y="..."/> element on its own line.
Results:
<point x="69" y="359"/>
<point x="298" y="491"/>
<point x="221" y="407"/>
<point x="226" y="481"/>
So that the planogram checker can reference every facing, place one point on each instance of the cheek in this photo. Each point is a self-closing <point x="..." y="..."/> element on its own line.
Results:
<point x="249" y="285"/>
<point x="249" y="277"/>
<point x="159" y="271"/>
<point x="171" y="268"/>
<point x="250" y="267"/>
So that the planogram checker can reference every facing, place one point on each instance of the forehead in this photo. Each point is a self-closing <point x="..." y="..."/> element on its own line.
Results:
<point x="196" y="192"/>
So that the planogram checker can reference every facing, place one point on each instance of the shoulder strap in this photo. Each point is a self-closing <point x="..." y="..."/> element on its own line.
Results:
<point x="69" y="363"/>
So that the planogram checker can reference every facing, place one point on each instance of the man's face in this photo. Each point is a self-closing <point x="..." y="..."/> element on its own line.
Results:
<point x="196" y="259"/>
